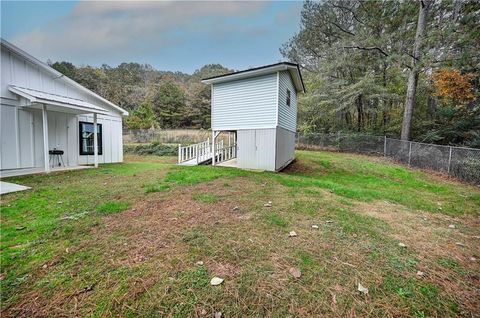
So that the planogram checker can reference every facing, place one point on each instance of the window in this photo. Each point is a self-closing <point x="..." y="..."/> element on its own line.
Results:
<point x="86" y="138"/>
<point x="288" y="97"/>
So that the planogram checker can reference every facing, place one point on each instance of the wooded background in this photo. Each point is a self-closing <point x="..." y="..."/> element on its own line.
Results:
<point x="363" y="62"/>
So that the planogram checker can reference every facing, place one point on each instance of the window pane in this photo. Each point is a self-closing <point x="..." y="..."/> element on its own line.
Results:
<point x="86" y="138"/>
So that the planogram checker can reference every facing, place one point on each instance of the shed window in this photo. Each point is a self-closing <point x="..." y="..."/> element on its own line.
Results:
<point x="86" y="138"/>
<point x="288" y="97"/>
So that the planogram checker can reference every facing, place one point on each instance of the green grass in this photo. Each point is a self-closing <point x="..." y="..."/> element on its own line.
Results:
<point x="205" y="197"/>
<point x="69" y="232"/>
<point x="112" y="207"/>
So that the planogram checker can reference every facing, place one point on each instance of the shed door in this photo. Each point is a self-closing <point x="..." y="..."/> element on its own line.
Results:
<point x="246" y="152"/>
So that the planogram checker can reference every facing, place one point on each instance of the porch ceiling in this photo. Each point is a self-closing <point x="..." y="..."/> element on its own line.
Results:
<point x="56" y="102"/>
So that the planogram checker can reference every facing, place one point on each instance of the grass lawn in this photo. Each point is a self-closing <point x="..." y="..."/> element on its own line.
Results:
<point x="125" y="239"/>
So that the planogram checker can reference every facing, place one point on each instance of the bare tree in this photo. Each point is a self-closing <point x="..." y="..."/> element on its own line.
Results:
<point x="414" y="70"/>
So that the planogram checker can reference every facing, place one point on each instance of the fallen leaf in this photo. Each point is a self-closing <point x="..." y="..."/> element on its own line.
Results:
<point x="328" y="221"/>
<point x="460" y="244"/>
<point x="362" y="289"/>
<point x="295" y="272"/>
<point x="315" y="227"/>
<point x="216" y="281"/>
<point x="473" y="259"/>
<point x="292" y="234"/>
<point x="402" y="245"/>
<point x="268" y="204"/>
<point x="218" y="314"/>
<point x="199" y="263"/>
<point x="452" y="226"/>
<point x="420" y="273"/>
<point x="236" y="209"/>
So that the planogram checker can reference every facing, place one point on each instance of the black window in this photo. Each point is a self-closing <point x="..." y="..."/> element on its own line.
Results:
<point x="288" y="97"/>
<point x="86" y="138"/>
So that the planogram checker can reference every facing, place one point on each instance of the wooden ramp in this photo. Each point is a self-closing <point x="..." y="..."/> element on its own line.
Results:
<point x="201" y="153"/>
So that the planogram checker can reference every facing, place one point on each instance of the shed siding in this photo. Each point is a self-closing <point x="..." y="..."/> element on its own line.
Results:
<point x="256" y="149"/>
<point x="245" y="104"/>
<point x="287" y="115"/>
<point x="285" y="148"/>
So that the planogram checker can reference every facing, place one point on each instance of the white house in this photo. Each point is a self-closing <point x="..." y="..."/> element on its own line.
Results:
<point x="44" y="111"/>
<point x="258" y="110"/>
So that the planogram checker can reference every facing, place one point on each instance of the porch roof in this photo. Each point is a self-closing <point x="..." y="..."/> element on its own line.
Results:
<point x="56" y="102"/>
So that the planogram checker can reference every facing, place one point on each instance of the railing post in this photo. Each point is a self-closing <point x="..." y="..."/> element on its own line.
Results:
<point x="196" y="152"/>
<point x="449" y="160"/>
<point x="409" y="153"/>
<point x="179" y="155"/>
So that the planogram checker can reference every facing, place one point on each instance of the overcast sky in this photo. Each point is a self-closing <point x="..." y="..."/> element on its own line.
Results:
<point x="176" y="36"/>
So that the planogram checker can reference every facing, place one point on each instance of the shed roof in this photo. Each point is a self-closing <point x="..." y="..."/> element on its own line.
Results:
<point x="59" y="75"/>
<point x="292" y="68"/>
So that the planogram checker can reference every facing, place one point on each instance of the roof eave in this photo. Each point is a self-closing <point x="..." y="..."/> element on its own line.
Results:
<point x="258" y="72"/>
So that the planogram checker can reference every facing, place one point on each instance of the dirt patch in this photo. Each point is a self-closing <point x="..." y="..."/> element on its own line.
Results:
<point x="298" y="167"/>
<point x="151" y="230"/>
<point x="445" y="246"/>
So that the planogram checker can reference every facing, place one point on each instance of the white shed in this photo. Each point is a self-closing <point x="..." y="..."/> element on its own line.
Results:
<point x="257" y="108"/>
<point x="44" y="113"/>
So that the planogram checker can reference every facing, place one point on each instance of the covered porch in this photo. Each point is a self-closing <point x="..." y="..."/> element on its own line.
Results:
<point x="55" y="143"/>
<point x="28" y="171"/>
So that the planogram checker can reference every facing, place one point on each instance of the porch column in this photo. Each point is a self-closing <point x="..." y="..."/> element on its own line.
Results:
<point x="213" y="147"/>
<point x="46" y="156"/>
<point x="95" y="141"/>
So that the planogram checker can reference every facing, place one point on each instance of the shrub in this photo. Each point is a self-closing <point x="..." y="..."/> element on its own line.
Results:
<point x="155" y="148"/>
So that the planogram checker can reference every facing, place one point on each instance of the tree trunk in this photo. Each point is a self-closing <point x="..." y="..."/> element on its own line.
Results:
<point x="359" y="113"/>
<point x="413" y="76"/>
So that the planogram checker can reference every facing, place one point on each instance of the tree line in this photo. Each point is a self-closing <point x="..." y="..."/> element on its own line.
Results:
<point x="402" y="68"/>
<point x="155" y="99"/>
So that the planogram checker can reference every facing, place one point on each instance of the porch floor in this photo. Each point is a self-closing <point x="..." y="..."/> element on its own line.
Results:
<point x="232" y="163"/>
<point x="23" y="172"/>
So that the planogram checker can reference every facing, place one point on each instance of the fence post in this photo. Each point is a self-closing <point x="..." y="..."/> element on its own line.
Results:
<point x="409" y="153"/>
<point x="338" y="140"/>
<point x="385" y="146"/>
<point x="449" y="160"/>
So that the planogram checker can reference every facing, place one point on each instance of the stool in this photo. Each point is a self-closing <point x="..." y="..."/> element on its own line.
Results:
<point x="56" y="158"/>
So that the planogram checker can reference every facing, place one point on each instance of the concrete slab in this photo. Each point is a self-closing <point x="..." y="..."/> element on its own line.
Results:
<point x="28" y="171"/>
<point x="7" y="187"/>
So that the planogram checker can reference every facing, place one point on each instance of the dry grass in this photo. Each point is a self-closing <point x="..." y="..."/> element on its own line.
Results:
<point x="142" y="261"/>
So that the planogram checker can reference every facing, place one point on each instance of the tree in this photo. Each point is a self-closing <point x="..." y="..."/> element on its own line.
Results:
<point x="454" y="87"/>
<point x="142" y="118"/>
<point x="356" y="58"/>
<point x="424" y="7"/>
<point x="169" y="104"/>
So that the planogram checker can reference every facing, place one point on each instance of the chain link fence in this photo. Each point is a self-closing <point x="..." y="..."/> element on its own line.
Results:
<point x="460" y="162"/>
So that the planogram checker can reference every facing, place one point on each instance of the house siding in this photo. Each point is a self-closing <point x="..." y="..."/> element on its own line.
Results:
<point x="285" y="148"/>
<point x="245" y="104"/>
<point x="21" y="131"/>
<point x="287" y="115"/>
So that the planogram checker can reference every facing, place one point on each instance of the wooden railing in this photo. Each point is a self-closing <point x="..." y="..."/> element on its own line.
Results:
<point x="199" y="152"/>
<point x="225" y="153"/>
